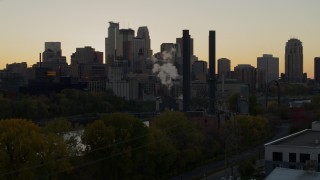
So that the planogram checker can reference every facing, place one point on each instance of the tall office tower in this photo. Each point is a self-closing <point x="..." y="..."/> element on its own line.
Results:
<point x="269" y="65"/>
<point x="294" y="61"/>
<point x="55" y="47"/>
<point x="224" y="67"/>
<point x="179" y="42"/>
<point x="245" y="73"/>
<point x="52" y="59"/>
<point x="143" y="33"/>
<point x="200" y="71"/>
<point x="212" y="71"/>
<point x="125" y="40"/>
<point x="87" y="64"/>
<point x="170" y="51"/>
<point x="317" y="69"/>
<point x="112" y="42"/>
<point x="186" y="70"/>
<point x="51" y="50"/>
<point x="138" y="55"/>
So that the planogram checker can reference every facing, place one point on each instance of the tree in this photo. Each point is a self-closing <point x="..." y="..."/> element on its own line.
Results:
<point x="254" y="107"/>
<point x="27" y="153"/>
<point x="121" y="140"/>
<point x="251" y="130"/>
<point x="246" y="169"/>
<point x="183" y="134"/>
<point x="233" y="102"/>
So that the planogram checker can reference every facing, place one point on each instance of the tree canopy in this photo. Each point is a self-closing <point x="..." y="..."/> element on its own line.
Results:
<point x="27" y="153"/>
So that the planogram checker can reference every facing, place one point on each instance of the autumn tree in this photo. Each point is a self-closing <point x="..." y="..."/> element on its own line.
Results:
<point x="27" y="153"/>
<point x="183" y="134"/>
<point x="120" y="142"/>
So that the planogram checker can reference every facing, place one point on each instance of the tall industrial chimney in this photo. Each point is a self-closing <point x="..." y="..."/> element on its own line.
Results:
<point x="212" y="71"/>
<point x="186" y="70"/>
<point x="40" y="60"/>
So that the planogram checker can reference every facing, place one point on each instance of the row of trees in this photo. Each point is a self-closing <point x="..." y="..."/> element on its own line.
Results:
<point x="66" y="103"/>
<point x="117" y="146"/>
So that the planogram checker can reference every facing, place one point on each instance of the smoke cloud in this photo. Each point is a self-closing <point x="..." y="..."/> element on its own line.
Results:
<point x="165" y="69"/>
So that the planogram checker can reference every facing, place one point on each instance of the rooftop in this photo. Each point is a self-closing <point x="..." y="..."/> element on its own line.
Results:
<point x="292" y="174"/>
<point x="306" y="138"/>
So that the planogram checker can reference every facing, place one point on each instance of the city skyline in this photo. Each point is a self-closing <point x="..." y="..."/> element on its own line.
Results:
<point x="245" y="30"/>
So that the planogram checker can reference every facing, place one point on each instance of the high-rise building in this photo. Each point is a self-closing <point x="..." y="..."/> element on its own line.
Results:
<point x="138" y="55"/>
<point x="294" y="61"/>
<point x="269" y="65"/>
<point x="53" y="60"/>
<point x="143" y="33"/>
<point x="179" y="42"/>
<point x="199" y="71"/>
<point x="317" y="69"/>
<point x="112" y="42"/>
<point x="87" y="64"/>
<point x="54" y="48"/>
<point x="245" y="73"/>
<point x="125" y="39"/>
<point x="224" y="67"/>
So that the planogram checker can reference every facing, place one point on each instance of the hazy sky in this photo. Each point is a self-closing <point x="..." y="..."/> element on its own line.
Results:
<point x="245" y="29"/>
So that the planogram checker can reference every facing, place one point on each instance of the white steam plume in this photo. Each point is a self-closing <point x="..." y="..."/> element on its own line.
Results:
<point x="167" y="72"/>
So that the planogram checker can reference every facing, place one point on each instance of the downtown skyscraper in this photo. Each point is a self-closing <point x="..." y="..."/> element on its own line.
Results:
<point x="294" y="61"/>
<point x="269" y="66"/>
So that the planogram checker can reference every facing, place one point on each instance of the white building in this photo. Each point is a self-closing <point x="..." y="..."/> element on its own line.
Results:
<point x="296" y="151"/>
<point x="270" y="66"/>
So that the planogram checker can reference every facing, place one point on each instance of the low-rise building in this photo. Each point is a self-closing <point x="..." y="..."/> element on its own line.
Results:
<point x="296" y="151"/>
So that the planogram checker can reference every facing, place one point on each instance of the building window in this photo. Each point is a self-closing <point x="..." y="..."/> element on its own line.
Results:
<point x="292" y="157"/>
<point x="304" y="157"/>
<point x="277" y="156"/>
<point x="318" y="158"/>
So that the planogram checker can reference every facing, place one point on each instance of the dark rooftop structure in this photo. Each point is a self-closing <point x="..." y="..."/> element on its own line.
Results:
<point x="306" y="138"/>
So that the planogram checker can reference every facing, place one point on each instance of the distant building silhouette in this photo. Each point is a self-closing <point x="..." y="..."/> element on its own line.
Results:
<point x="294" y="61"/>
<point x="270" y="67"/>
<point x="112" y="42"/>
<point x="245" y="73"/>
<point x="53" y="60"/>
<point x="317" y="69"/>
<point x="143" y="33"/>
<point x="224" y="67"/>
<point x="52" y="49"/>
<point x="200" y="71"/>
<point x="125" y="40"/>
<point x="87" y="64"/>
<point x="179" y="42"/>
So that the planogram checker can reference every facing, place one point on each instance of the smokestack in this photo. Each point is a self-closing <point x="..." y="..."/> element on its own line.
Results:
<point x="40" y="60"/>
<point x="186" y="70"/>
<point x="212" y="71"/>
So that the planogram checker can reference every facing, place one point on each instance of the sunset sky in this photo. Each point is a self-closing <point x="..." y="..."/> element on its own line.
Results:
<point x="245" y="29"/>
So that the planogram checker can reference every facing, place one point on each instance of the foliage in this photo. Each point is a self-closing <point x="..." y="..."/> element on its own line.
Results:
<point x="233" y="102"/>
<point x="254" y="107"/>
<point x="281" y="111"/>
<point x="121" y="139"/>
<point x="66" y="103"/>
<point x="246" y="169"/>
<point x="246" y="130"/>
<point x="184" y="135"/>
<point x="27" y="153"/>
